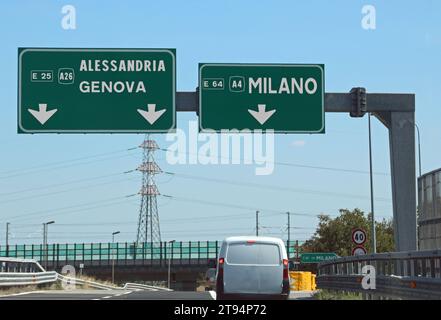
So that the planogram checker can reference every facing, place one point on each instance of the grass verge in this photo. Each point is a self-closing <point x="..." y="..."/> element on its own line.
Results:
<point x="14" y="290"/>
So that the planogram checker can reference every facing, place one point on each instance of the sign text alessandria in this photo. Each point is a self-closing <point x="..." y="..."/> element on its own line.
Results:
<point x="96" y="90"/>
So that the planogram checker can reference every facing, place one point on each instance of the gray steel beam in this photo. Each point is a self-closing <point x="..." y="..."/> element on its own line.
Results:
<point x="402" y="164"/>
<point x="334" y="102"/>
<point x="397" y="113"/>
<point x="401" y="127"/>
<point x="187" y="101"/>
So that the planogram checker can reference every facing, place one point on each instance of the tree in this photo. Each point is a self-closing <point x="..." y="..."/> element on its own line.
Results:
<point x="334" y="235"/>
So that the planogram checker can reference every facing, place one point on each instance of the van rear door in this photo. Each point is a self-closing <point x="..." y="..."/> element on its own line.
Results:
<point x="253" y="267"/>
<point x="270" y="269"/>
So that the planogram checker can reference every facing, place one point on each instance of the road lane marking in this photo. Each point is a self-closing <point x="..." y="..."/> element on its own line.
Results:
<point x="20" y="294"/>
<point x="212" y="294"/>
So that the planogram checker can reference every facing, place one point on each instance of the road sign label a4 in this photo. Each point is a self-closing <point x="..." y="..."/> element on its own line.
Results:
<point x="237" y="84"/>
<point x="286" y="98"/>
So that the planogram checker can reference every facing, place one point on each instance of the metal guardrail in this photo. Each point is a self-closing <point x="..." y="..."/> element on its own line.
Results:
<point x="394" y="287"/>
<point x="398" y="275"/>
<point x="9" y="277"/>
<point x="22" y="272"/>
<point x="19" y="265"/>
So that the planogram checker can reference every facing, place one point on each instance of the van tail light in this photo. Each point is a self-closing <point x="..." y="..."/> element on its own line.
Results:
<point x="220" y="276"/>
<point x="285" y="283"/>
<point x="221" y="268"/>
<point x="285" y="269"/>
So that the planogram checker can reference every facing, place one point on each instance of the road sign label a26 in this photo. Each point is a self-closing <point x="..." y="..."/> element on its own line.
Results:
<point x="72" y="90"/>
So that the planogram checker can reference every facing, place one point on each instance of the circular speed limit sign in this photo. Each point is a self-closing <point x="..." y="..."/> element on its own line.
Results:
<point x="358" y="251"/>
<point x="358" y="236"/>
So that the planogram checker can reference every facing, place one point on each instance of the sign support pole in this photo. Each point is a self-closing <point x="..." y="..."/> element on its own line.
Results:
<point x="257" y="223"/>
<point x="289" y="232"/>
<point x="373" y="232"/>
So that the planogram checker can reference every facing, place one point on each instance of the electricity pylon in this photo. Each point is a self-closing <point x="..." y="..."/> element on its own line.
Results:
<point x="148" y="222"/>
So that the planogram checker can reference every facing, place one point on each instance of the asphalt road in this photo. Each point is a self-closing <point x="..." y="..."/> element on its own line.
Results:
<point x="109" y="295"/>
<point x="126" y="295"/>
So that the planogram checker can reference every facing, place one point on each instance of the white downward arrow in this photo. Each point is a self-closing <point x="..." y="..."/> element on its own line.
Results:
<point x="151" y="115"/>
<point x="42" y="115"/>
<point x="261" y="115"/>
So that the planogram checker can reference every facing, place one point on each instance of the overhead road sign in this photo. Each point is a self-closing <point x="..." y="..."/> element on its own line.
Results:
<point x="288" y="98"/>
<point x="63" y="90"/>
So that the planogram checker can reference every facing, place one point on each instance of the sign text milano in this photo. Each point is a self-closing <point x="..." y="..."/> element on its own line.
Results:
<point x="284" y="98"/>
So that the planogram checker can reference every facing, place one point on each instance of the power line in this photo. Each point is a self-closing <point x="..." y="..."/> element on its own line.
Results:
<point x="190" y="233"/>
<point x="61" y="184"/>
<point x="70" y="160"/>
<point x="223" y="204"/>
<point x="272" y="187"/>
<point x="133" y="233"/>
<point x="123" y="200"/>
<point x="45" y="167"/>
<point x="191" y="219"/>
<point x="185" y="176"/>
<point x="279" y="227"/>
<point x="57" y="210"/>
<point x="266" y="212"/>
<point x="187" y="238"/>
<point x="10" y="173"/>
<point x="66" y="190"/>
<point x="253" y="185"/>
<point x="289" y="164"/>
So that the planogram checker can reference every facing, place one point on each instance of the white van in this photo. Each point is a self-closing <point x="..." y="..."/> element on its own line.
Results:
<point x="252" y="267"/>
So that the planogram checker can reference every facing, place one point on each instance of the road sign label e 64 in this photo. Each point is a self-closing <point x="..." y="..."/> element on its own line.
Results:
<point x="287" y="98"/>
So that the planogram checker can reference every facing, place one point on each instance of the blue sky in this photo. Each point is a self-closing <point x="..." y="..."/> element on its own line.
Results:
<point x="402" y="56"/>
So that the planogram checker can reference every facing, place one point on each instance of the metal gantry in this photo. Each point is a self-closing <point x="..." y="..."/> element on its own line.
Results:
<point x="397" y="113"/>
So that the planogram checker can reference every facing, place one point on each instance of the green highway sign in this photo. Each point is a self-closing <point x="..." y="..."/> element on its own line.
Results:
<point x="96" y="90"/>
<point x="288" y="98"/>
<point x="317" y="257"/>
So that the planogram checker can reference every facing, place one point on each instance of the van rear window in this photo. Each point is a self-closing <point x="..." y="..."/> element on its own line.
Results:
<point x="253" y="253"/>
